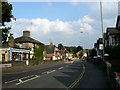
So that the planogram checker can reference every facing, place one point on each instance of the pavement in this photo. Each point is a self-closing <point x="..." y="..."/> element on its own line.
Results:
<point x="63" y="75"/>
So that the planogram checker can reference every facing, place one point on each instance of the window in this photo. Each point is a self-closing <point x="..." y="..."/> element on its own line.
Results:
<point x="113" y="41"/>
<point x="32" y="45"/>
<point x="20" y="45"/>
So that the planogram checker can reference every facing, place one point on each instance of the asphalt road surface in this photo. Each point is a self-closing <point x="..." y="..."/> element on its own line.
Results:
<point x="65" y="75"/>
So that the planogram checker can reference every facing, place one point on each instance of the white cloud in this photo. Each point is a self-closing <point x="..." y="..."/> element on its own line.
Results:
<point x="68" y="32"/>
<point x="44" y="30"/>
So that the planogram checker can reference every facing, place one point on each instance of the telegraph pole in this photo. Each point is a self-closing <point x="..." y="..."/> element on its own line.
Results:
<point x="102" y="28"/>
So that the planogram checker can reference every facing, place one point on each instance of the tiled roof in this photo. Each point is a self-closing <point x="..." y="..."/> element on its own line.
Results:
<point x="118" y="23"/>
<point x="23" y="39"/>
<point x="112" y="30"/>
<point x="49" y="49"/>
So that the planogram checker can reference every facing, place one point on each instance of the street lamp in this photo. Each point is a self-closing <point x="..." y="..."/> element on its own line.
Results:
<point x="82" y="44"/>
<point x="88" y="43"/>
<point x="88" y="37"/>
<point x="102" y="27"/>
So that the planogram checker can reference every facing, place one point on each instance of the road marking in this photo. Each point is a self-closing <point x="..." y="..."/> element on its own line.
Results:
<point x="44" y="72"/>
<point x="60" y="68"/>
<point x="36" y="76"/>
<point x="51" y="71"/>
<point x="30" y="70"/>
<point x="77" y="80"/>
<point x="18" y="79"/>
<point x="11" y="81"/>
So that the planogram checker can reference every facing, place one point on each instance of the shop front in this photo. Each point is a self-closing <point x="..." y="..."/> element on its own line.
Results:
<point x="19" y="54"/>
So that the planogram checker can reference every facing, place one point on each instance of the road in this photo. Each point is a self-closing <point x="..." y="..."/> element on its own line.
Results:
<point x="65" y="75"/>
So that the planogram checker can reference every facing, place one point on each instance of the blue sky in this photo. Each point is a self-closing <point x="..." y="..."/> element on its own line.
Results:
<point x="52" y="11"/>
<point x="62" y="22"/>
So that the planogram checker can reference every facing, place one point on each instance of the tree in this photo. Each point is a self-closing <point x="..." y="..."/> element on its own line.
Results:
<point x="80" y="55"/>
<point x="79" y="48"/>
<point x="38" y="51"/>
<point x="60" y="46"/>
<point x="93" y="53"/>
<point x="6" y="17"/>
<point x="113" y="51"/>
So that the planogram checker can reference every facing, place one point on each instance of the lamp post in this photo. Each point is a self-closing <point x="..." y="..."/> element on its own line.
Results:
<point x="102" y="28"/>
<point x="88" y="43"/>
<point x="88" y="38"/>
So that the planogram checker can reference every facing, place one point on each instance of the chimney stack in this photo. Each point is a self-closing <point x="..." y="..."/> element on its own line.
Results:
<point x="11" y="40"/>
<point x="26" y="33"/>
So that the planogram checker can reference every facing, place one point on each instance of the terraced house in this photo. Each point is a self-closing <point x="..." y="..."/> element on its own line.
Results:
<point x="27" y="42"/>
<point x="51" y="52"/>
<point x="112" y="35"/>
<point x="21" y="48"/>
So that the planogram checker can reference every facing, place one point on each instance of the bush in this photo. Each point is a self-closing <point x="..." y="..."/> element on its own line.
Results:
<point x="93" y="53"/>
<point x="38" y="51"/>
<point x="113" y="51"/>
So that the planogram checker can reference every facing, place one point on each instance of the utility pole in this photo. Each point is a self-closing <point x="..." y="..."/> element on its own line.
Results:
<point x="102" y="28"/>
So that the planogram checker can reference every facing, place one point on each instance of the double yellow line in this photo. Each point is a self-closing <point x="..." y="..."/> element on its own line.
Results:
<point x="77" y="80"/>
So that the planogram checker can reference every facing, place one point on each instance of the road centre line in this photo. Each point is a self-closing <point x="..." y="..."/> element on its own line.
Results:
<point x="51" y="71"/>
<point x="36" y="76"/>
<point x="60" y="68"/>
<point x="29" y="70"/>
<point x="44" y="72"/>
<point x="18" y="79"/>
<point x="77" y="80"/>
<point x="11" y="81"/>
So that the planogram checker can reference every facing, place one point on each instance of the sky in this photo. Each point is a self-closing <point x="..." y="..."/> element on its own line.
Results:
<point x="62" y="22"/>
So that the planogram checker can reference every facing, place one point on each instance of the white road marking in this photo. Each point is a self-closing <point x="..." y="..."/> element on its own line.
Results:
<point x="36" y="76"/>
<point x="44" y="72"/>
<point x="11" y="81"/>
<point x="60" y="68"/>
<point x="51" y="71"/>
<point x="18" y="79"/>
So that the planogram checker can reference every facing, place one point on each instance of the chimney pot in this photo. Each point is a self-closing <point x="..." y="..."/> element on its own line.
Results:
<point x="26" y="33"/>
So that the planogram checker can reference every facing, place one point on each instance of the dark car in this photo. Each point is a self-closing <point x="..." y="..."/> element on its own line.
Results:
<point x="69" y="59"/>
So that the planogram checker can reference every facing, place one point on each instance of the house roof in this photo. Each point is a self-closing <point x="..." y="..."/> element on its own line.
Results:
<point x="49" y="49"/>
<point x="5" y="45"/>
<point x="23" y="39"/>
<point x="112" y="30"/>
<point x="118" y="23"/>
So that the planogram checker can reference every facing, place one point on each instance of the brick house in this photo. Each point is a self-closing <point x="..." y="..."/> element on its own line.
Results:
<point x="51" y="52"/>
<point x="27" y="42"/>
<point x="112" y="36"/>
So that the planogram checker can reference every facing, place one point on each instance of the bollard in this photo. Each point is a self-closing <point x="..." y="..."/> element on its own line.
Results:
<point x="27" y="62"/>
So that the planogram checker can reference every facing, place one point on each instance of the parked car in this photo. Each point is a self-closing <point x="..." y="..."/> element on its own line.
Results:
<point x="82" y="60"/>
<point x="95" y="57"/>
<point x="69" y="59"/>
<point x="106" y="55"/>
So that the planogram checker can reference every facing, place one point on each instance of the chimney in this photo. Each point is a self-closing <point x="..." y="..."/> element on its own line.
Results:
<point x="11" y="40"/>
<point x="26" y="33"/>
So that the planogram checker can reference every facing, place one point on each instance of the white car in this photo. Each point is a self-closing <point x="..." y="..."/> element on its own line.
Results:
<point x="95" y="57"/>
<point x="106" y="55"/>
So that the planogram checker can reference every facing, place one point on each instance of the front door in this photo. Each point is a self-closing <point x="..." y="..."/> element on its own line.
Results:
<point x="3" y="57"/>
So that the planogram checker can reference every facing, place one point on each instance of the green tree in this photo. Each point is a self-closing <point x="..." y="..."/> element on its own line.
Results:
<point x="93" y="53"/>
<point x="6" y="17"/>
<point x="81" y="54"/>
<point x="79" y="48"/>
<point x="39" y="52"/>
<point x="60" y="46"/>
<point x="113" y="51"/>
